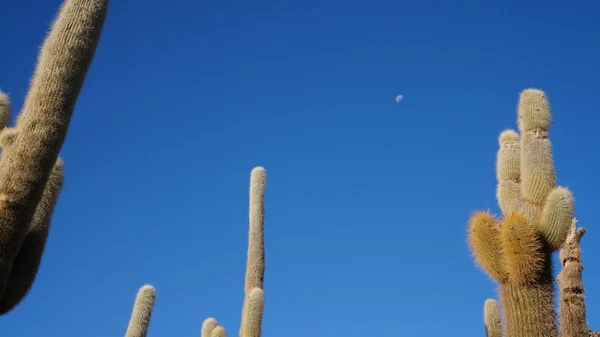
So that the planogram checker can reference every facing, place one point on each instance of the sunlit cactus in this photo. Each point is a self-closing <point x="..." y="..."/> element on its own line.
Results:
<point x="516" y="249"/>
<point x="31" y="174"/>
<point x="492" y="318"/>
<point x="252" y="308"/>
<point x="252" y="311"/>
<point x="571" y="293"/>
<point x="142" y="312"/>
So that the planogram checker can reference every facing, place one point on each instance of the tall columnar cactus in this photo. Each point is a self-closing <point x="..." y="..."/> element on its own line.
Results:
<point x="255" y="271"/>
<point x="516" y="250"/>
<point x="571" y="296"/>
<point x="252" y="310"/>
<point x="142" y="312"/>
<point x="30" y="170"/>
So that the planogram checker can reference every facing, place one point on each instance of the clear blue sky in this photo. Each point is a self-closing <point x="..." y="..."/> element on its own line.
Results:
<point x="367" y="200"/>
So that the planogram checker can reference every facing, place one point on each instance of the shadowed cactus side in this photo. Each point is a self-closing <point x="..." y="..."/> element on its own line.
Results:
<point x="516" y="249"/>
<point x="31" y="174"/>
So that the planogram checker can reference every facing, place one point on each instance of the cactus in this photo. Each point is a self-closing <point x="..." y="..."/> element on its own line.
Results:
<point x="491" y="318"/>
<point x="142" y="311"/>
<point x="30" y="169"/>
<point x="516" y="250"/>
<point x="572" y="306"/>
<point x="255" y="270"/>
<point x="252" y="308"/>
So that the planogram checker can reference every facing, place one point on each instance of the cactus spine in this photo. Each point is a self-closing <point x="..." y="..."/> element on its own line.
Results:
<point x="516" y="250"/>
<point x="30" y="170"/>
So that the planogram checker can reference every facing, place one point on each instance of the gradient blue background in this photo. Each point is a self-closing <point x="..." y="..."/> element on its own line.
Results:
<point x="367" y="200"/>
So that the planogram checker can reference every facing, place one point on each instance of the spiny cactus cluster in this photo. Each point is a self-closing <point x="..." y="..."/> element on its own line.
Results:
<point x="31" y="172"/>
<point x="515" y="250"/>
<point x="537" y="220"/>
<point x="252" y="309"/>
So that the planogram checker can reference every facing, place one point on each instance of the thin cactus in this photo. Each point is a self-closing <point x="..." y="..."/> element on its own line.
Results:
<point x="491" y="318"/>
<point x="30" y="170"/>
<point x="571" y="295"/>
<point x="516" y="250"/>
<point x="255" y="269"/>
<point x="252" y="309"/>
<point x="142" y="312"/>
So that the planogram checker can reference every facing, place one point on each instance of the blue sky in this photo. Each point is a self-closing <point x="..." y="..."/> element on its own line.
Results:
<point x="367" y="200"/>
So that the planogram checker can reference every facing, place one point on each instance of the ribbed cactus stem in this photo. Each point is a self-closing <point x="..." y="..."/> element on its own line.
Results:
<point x="142" y="312"/>
<point x="255" y="265"/>
<point x="573" y="321"/>
<point x="491" y="318"/>
<point x="537" y="166"/>
<point x="529" y="309"/>
<point x="508" y="174"/>
<point x="63" y="62"/>
<point x="253" y="313"/>
<point x="30" y="254"/>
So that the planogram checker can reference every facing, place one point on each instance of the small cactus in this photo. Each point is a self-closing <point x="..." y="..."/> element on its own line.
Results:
<point x="31" y="173"/>
<point x="491" y="318"/>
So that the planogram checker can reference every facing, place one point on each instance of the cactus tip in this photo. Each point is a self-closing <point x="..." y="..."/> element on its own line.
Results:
<point x="508" y="136"/>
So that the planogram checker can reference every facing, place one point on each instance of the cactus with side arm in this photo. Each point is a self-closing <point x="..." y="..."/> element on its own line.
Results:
<point x="31" y="172"/>
<point x="537" y="220"/>
<point x="516" y="250"/>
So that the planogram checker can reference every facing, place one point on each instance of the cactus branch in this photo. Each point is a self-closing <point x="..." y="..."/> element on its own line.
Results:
<point x="63" y="63"/>
<point x="142" y="312"/>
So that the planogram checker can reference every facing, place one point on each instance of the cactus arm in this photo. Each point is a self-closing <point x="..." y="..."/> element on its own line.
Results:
<point x="208" y="326"/>
<point x="253" y="313"/>
<point x="537" y="166"/>
<point x="485" y="245"/>
<point x="218" y="331"/>
<point x="255" y="264"/>
<point x="28" y="259"/>
<point x="62" y="66"/>
<point x="142" y="312"/>
<point x="556" y="217"/>
<point x="508" y="174"/>
<point x="491" y="318"/>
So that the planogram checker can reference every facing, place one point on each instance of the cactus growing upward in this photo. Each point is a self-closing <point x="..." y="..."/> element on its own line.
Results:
<point x="491" y="318"/>
<point x="142" y="311"/>
<point x="252" y="309"/>
<point x="30" y="170"/>
<point x="516" y="250"/>
<point x="255" y="270"/>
